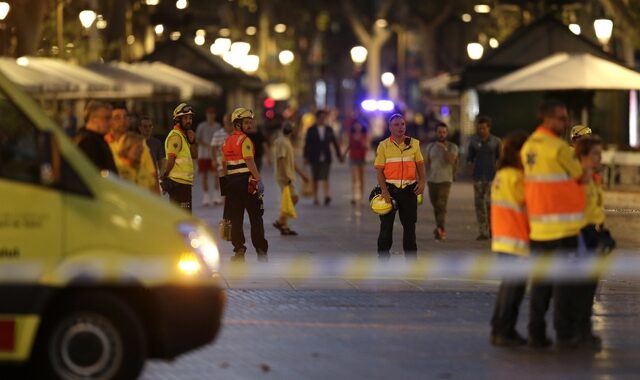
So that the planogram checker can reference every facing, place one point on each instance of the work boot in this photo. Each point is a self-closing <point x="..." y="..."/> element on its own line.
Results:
<point x="510" y="340"/>
<point x="539" y="342"/>
<point x="238" y="257"/>
<point x="262" y="256"/>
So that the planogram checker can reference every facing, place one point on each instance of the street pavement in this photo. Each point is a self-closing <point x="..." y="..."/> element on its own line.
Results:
<point x="438" y="328"/>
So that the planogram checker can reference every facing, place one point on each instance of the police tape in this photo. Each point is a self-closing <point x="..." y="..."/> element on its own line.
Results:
<point x="483" y="266"/>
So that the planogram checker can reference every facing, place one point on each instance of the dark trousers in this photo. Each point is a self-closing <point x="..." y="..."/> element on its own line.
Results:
<point x="482" y="202"/>
<point x="564" y="294"/>
<point x="439" y="196"/>
<point x="407" y="206"/>
<point x="238" y="200"/>
<point x="180" y="194"/>
<point x="508" y="300"/>
<point x="587" y="289"/>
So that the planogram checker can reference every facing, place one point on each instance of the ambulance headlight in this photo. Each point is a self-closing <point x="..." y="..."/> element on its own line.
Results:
<point x="202" y="245"/>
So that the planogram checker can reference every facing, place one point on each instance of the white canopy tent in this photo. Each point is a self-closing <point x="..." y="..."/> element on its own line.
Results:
<point x="564" y="71"/>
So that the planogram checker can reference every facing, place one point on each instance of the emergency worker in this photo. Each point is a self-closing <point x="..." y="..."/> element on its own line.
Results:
<point x="509" y="237"/>
<point x="555" y="201"/>
<point x="180" y="147"/>
<point x="400" y="173"/>
<point x="579" y="131"/>
<point x="243" y="186"/>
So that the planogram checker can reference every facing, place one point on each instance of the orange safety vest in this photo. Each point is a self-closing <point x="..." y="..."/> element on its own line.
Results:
<point x="555" y="200"/>
<point x="399" y="162"/>
<point x="509" y="223"/>
<point x="233" y="156"/>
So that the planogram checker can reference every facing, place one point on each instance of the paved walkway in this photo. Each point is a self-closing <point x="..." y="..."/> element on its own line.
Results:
<point x="343" y="230"/>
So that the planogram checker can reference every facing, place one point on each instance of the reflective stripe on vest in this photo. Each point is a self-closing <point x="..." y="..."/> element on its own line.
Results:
<point x="232" y="151"/>
<point x="182" y="171"/>
<point x="400" y="171"/>
<point x="555" y="201"/>
<point x="509" y="222"/>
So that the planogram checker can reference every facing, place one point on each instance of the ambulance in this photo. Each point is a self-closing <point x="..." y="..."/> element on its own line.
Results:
<point x="96" y="274"/>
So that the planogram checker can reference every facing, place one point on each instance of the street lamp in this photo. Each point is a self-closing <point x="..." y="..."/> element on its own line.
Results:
<point x="475" y="50"/>
<point x="482" y="8"/>
<point x="220" y="46"/>
<point x="280" y="28"/>
<point x="4" y="10"/>
<point x="87" y="18"/>
<point x="358" y="54"/>
<point x="241" y="49"/>
<point x="286" y="57"/>
<point x="387" y="79"/>
<point x="182" y="4"/>
<point x="604" y="29"/>
<point x="159" y="29"/>
<point x="250" y="64"/>
<point x="575" y="29"/>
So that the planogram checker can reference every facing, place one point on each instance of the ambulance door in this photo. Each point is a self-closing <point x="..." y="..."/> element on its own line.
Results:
<point x="30" y="205"/>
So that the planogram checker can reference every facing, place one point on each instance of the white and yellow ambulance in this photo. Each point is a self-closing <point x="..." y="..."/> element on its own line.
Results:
<point x="96" y="274"/>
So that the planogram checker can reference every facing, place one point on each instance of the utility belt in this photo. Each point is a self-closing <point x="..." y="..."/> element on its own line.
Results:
<point x="393" y="189"/>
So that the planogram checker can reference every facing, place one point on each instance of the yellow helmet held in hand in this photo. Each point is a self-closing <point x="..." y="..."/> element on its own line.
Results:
<point x="181" y="110"/>
<point x="241" y="113"/>
<point x="377" y="202"/>
<point x="380" y="206"/>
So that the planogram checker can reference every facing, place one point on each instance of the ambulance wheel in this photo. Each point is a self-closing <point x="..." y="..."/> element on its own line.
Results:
<point x="91" y="336"/>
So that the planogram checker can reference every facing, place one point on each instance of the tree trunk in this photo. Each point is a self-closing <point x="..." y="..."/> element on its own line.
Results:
<point x="428" y="50"/>
<point x="28" y="21"/>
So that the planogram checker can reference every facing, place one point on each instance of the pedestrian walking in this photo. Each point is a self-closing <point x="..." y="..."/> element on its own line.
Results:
<point x="555" y="201"/>
<point x="595" y="238"/>
<point x="400" y="173"/>
<point x="441" y="162"/>
<point x="218" y="139"/>
<point x="145" y="171"/>
<point x="260" y="145"/>
<point x="180" y="146"/>
<point x="285" y="170"/>
<point x="483" y="153"/>
<point x="317" y="152"/>
<point x="357" y="148"/>
<point x="243" y="187"/>
<point x="204" y="135"/>
<point x="90" y="139"/>
<point x="510" y="238"/>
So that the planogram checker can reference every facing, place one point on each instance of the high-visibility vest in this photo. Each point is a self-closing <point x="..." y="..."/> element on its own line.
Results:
<point x="509" y="222"/>
<point x="399" y="162"/>
<point x="594" y="213"/>
<point x="182" y="171"/>
<point x="233" y="155"/>
<point x="555" y="200"/>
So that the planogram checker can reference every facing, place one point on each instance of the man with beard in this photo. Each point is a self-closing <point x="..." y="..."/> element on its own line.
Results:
<point x="440" y="161"/>
<point x="177" y="179"/>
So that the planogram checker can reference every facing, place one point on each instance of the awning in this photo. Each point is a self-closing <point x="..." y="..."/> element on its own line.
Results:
<point x="188" y="84"/>
<point x="131" y="84"/>
<point x="30" y="79"/>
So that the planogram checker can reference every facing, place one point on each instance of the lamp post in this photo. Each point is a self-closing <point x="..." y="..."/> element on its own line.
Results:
<point x="87" y="17"/>
<point x="358" y="54"/>
<point x="604" y="30"/>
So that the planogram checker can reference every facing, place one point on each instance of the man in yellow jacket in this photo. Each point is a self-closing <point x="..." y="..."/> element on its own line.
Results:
<point x="555" y="201"/>
<point x="180" y="147"/>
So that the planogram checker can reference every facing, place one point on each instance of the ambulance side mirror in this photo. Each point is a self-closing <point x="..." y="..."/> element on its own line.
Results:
<point x="49" y="158"/>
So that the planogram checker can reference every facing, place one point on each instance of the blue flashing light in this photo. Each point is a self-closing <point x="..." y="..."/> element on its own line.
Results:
<point x="372" y="105"/>
<point x="369" y="105"/>
<point x="444" y="111"/>
<point x="385" y="105"/>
